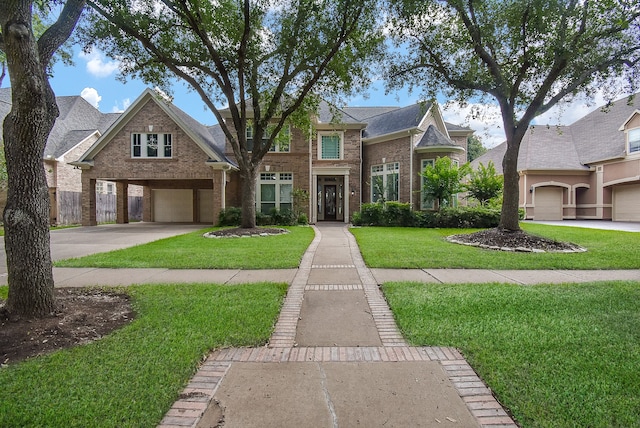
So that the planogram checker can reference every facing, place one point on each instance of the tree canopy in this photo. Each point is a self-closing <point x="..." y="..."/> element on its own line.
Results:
<point x="268" y="62"/>
<point x="527" y="56"/>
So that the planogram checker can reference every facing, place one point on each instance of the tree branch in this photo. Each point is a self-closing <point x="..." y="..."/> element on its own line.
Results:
<point x="60" y="31"/>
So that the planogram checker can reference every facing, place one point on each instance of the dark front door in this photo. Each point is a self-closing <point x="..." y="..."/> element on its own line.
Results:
<point x="329" y="202"/>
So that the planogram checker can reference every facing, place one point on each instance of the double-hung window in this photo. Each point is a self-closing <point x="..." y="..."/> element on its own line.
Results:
<point x="281" y="144"/>
<point x="151" y="146"/>
<point x="424" y="203"/>
<point x="275" y="191"/>
<point x="330" y="146"/>
<point x="385" y="180"/>
<point x="634" y="140"/>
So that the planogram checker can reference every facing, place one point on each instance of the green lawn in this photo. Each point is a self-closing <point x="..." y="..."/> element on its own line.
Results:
<point x="554" y="355"/>
<point x="410" y="248"/>
<point x="133" y="376"/>
<point x="193" y="251"/>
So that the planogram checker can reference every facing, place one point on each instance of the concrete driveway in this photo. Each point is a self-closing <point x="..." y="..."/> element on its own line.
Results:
<point x="81" y="241"/>
<point x="625" y="226"/>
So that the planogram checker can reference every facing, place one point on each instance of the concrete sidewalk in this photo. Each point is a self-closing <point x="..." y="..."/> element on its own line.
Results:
<point x="336" y="359"/>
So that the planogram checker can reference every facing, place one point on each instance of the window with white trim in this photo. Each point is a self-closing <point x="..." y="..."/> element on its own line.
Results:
<point x="330" y="145"/>
<point x="633" y="137"/>
<point x="385" y="182"/>
<point x="151" y="146"/>
<point x="275" y="191"/>
<point x="425" y="204"/>
<point x="281" y="144"/>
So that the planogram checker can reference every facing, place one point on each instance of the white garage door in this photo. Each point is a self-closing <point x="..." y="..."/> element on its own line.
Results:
<point x="547" y="203"/>
<point x="173" y="205"/>
<point x="205" y="206"/>
<point x="626" y="203"/>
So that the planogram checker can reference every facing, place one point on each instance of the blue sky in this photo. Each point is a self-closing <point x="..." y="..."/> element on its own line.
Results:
<point x="93" y="76"/>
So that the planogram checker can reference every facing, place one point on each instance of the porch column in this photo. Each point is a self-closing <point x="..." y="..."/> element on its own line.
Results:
<point x="146" y="203"/>
<point x="219" y="189"/>
<point x="88" y="201"/>
<point x="122" y="202"/>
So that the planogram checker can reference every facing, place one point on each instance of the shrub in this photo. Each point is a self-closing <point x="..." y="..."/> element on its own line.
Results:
<point x="231" y="216"/>
<point x="398" y="214"/>
<point x="477" y="217"/>
<point x="372" y="214"/>
<point x="282" y="218"/>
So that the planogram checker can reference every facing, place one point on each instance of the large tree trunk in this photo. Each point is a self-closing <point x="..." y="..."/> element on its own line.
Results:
<point x="249" y="178"/>
<point x="26" y="129"/>
<point x="509" y="217"/>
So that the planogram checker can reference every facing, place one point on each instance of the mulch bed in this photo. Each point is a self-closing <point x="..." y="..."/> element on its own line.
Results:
<point x="519" y="240"/>
<point x="237" y="232"/>
<point x="83" y="315"/>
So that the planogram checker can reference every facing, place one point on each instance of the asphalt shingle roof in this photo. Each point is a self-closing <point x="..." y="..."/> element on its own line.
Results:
<point x="434" y="138"/>
<point x="595" y="137"/>
<point x="396" y="120"/>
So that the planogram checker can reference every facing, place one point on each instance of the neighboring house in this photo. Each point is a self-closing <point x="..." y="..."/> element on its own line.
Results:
<point x="587" y="170"/>
<point x="77" y="128"/>
<point x="188" y="172"/>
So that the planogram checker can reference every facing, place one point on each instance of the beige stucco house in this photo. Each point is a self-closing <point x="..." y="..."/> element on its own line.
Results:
<point x="587" y="170"/>
<point x="188" y="172"/>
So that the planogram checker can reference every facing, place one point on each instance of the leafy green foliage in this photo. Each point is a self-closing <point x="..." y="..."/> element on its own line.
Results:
<point x="554" y="355"/>
<point x="467" y="217"/>
<point x="270" y="65"/>
<point x="475" y="148"/>
<point x="527" y="56"/>
<point x="443" y="180"/>
<point x="484" y="183"/>
<point x="131" y="377"/>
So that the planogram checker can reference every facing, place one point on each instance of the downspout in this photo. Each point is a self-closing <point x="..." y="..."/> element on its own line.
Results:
<point x="411" y="135"/>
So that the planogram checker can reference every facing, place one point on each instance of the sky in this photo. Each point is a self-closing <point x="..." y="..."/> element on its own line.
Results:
<point x="93" y="76"/>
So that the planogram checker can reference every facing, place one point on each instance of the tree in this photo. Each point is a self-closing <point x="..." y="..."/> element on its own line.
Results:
<point x="475" y="148"/>
<point x="526" y="55"/>
<point x="268" y="61"/>
<point x="484" y="183"/>
<point x="26" y="129"/>
<point x="443" y="180"/>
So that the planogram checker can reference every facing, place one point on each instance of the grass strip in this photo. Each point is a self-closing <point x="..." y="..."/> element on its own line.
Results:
<point x="411" y="248"/>
<point x="193" y="251"/>
<point x="554" y="355"/>
<point x="132" y="377"/>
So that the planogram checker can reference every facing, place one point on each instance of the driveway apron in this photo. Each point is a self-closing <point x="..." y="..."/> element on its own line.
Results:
<point x="336" y="359"/>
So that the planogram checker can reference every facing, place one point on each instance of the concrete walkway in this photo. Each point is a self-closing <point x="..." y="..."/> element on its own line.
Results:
<point x="336" y="359"/>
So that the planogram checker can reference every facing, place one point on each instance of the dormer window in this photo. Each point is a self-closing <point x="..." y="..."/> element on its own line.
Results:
<point x="634" y="140"/>
<point x="151" y="146"/>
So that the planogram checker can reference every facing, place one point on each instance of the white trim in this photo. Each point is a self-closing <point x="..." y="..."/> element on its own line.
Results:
<point x="340" y="134"/>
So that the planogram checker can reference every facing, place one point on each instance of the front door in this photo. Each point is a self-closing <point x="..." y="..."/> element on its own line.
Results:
<point x="329" y="202"/>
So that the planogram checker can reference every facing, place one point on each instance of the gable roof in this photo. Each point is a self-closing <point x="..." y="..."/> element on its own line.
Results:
<point x="596" y="137"/>
<point x="396" y="120"/>
<point x="199" y="133"/>
<point x="77" y="120"/>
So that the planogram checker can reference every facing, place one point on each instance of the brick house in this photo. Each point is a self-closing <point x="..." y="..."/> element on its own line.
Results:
<point x="77" y="128"/>
<point x="188" y="172"/>
<point x="587" y="170"/>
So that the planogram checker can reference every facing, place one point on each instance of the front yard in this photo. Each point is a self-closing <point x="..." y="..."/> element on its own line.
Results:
<point x="412" y="248"/>
<point x="554" y="355"/>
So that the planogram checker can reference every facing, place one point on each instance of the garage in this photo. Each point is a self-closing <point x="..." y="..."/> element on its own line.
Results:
<point x="172" y="205"/>
<point x="547" y="203"/>
<point x="626" y="203"/>
<point x="205" y="206"/>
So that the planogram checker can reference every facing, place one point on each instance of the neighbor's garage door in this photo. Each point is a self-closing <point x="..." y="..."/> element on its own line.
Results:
<point x="626" y="203"/>
<point x="173" y="205"/>
<point x="548" y="203"/>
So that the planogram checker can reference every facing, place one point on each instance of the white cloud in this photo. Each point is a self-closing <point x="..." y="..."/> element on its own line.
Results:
<point x="91" y="95"/>
<point x="98" y="65"/>
<point x="119" y="109"/>
<point x="485" y="119"/>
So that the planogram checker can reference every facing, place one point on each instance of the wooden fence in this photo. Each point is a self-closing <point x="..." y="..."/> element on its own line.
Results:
<point x="70" y="208"/>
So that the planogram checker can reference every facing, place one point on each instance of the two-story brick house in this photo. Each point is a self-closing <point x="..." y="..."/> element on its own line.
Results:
<point x="188" y="172"/>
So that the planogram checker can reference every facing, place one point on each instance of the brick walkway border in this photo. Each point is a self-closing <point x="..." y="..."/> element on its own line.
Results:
<point x="197" y="396"/>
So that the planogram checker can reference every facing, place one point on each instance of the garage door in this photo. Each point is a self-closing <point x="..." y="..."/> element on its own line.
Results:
<point x="173" y="205"/>
<point x="205" y="206"/>
<point x="626" y="203"/>
<point x="547" y="203"/>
